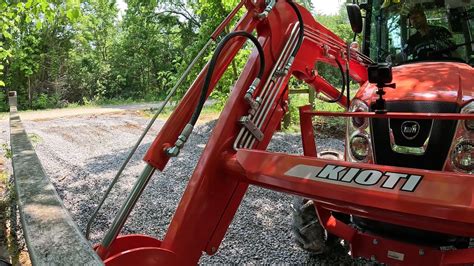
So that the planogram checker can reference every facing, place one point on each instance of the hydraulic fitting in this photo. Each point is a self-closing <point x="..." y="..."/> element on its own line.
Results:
<point x="287" y="67"/>
<point x="179" y="144"/>
<point x="326" y="52"/>
<point x="267" y="10"/>
<point x="254" y="103"/>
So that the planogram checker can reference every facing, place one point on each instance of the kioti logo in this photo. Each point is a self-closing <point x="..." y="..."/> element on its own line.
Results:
<point x="410" y="129"/>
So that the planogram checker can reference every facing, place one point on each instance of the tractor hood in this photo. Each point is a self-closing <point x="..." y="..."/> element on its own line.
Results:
<point x="427" y="81"/>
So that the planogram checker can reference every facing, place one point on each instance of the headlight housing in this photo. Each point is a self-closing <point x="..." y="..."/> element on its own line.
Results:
<point x="360" y="147"/>
<point x="358" y="142"/>
<point x="462" y="155"/>
<point x="469" y="109"/>
<point x="462" y="150"/>
<point x="358" y="106"/>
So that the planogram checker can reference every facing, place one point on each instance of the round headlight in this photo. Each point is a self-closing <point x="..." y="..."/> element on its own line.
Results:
<point x="358" y="106"/>
<point x="469" y="123"/>
<point x="359" y="122"/>
<point x="462" y="156"/>
<point x="359" y="147"/>
<point x="468" y="109"/>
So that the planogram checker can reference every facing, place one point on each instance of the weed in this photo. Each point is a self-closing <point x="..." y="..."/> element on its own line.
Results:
<point x="7" y="151"/>
<point x="34" y="138"/>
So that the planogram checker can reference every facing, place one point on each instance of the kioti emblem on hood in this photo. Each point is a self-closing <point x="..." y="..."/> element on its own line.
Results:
<point x="410" y="129"/>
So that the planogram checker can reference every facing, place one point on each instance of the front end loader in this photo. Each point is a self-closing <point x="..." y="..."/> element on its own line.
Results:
<point x="346" y="194"/>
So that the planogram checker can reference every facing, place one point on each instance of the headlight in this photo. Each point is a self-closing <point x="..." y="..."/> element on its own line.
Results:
<point x="469" y="124"/>
<point x="358" y="143"/>
<point x="469" y="109"/>
<point x="462" y="154"/>
<point x="359" y="146"/>
<point x="358" y="106"/>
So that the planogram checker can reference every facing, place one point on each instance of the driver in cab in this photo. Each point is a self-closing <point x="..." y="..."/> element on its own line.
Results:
<point x="428" y="42"/>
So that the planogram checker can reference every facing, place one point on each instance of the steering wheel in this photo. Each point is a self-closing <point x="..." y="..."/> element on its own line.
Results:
<point x="428" y="50"/>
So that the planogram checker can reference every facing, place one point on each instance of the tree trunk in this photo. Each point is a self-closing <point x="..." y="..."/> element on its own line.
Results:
<point x="29" y="93"/>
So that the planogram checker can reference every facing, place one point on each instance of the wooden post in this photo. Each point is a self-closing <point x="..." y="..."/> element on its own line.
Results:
<point x="287" y="117"/>
<point x="312" y="97"/>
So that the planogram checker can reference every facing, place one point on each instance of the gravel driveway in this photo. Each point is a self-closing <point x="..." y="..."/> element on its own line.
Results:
<point x="81" y="155"/>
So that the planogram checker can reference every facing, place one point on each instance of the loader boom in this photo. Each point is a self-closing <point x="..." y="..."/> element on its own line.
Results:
<point x="231" y="161"/>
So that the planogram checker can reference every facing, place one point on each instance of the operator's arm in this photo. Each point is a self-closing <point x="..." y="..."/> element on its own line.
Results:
<point x="444" y="39"/>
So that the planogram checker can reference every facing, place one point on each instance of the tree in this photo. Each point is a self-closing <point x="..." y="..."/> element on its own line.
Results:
<point x="24" y="31"/>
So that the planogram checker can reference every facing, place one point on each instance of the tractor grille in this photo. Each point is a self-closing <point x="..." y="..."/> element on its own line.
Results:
<point x="434" y="137"/>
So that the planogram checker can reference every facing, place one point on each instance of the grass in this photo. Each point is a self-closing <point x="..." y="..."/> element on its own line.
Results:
<point x="208" y="113"/>
<point x="324" y="126"/>
<point x="34" y="138"/>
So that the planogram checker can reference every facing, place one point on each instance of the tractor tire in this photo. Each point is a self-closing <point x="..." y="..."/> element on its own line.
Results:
<point x="307" y="231"/>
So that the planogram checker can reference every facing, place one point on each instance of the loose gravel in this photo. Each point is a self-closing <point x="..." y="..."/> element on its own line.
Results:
<point x="82" y="154"/>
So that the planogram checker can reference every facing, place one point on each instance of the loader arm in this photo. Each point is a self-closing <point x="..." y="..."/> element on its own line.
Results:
<point x="213" y="193"/>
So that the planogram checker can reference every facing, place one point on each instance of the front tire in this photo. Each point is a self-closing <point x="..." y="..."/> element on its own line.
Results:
<point x="307" y="230"/>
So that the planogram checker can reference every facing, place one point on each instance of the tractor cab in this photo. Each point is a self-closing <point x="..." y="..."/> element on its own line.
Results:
<point x="403" y="32"/>
<point x="430" y="45"/>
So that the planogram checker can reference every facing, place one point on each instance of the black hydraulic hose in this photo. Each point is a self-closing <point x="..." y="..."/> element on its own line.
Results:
<point x="301" y="26"/>
<point x="343" y="76"/>
<point x="348" y="86"/>
<point x="212" y="65"/>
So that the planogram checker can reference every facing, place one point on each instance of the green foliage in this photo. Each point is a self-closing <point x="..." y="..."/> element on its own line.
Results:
<point x="4" y="101"/>
<point x="63" y="53"/>
<point x="20" y="19"/>
<point x="45" y="101"/>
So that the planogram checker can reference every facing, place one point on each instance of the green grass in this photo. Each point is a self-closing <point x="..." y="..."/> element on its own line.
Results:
<point x="211" y="110"/>
<point x="325" y="126"/>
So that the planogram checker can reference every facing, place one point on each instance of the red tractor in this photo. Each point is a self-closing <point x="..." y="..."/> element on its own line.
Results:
<point x="432" y="77"/>
<point x="404" y="194"/>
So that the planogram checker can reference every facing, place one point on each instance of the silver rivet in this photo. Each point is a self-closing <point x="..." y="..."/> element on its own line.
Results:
<point x="421" y="252"/>
<point x="375" y="241"/>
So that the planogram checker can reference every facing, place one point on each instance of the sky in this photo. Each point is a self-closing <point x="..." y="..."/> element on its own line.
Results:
<point x="325" y="7"/>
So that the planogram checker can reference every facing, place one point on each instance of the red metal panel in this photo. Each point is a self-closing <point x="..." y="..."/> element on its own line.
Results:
<point x="442" y="201"/>
<point x="127" y="242"/>
<point x="307" y="132"/>
<point x="147" y="256"/>
<point x="395" y="115"/>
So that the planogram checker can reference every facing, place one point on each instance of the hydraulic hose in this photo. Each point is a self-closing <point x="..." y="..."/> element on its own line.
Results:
<point x="212" y="65"/>
<point x="343" y="76"/>
<point x="348" y="77"/>
<point x="301" y="26"/>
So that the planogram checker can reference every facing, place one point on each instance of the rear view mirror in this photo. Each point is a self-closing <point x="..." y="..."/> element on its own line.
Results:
<point x="355" y="17"/>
